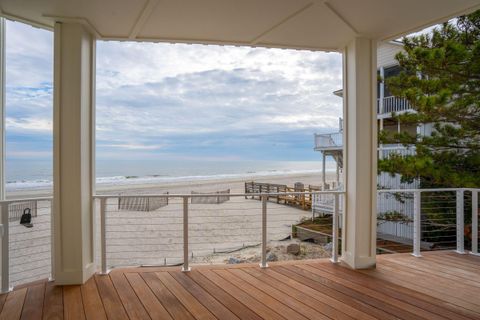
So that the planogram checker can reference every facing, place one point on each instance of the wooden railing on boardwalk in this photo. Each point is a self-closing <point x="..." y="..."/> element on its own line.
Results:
<point x="301" y="201"/>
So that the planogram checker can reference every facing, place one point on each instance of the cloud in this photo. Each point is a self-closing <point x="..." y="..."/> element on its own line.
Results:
<point x="178" y="101"/>
<point x="29" y="125"/>
<point x="204" y="101"/>
<point x="131" y="146"/>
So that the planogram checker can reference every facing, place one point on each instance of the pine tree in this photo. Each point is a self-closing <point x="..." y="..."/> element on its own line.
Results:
<point x="440" y="78"/>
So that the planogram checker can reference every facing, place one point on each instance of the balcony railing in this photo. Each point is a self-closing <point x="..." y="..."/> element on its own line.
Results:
<point x="392" y="104"/>
<point x="328" y="141"/>
<point x="385" y="151"/>
<point x="183" y="232"/>
<point x="443" y="216"/>
<point x="188" y="231"/>
<point x="27" y="250"/>
<point x="432" y="219"/>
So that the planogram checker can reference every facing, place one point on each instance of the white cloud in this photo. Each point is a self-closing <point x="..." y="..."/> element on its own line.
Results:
<point x="132" y="146"/>
<point x="29" y="125"/>
<point x="159" y="98"/>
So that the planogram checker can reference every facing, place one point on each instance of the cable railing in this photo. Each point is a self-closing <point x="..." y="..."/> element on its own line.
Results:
<point x="174" y="230"/>
<point x="190" y="231"/>
<point x="431" y="219"/>
<point x="27" y="246"/>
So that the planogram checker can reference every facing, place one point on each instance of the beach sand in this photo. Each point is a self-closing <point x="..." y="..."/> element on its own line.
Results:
<point x="217" y="232"/>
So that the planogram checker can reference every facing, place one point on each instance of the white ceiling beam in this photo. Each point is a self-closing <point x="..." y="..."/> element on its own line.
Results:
<point x="262" y="35"/>
<point x="142" y="18"/>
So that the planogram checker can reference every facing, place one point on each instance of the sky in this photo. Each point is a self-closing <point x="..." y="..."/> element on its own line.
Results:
<point x="178" y="101"/>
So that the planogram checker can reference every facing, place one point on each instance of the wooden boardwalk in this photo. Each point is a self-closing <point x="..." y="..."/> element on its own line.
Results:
<point x="440" y="285"/>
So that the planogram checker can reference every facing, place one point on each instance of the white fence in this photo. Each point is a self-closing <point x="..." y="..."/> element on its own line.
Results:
<point x="386" y="150"/>
<point x="392" y="104"/>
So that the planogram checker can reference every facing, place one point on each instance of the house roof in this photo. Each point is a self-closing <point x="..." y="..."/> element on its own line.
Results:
<point x="303" y="24"/>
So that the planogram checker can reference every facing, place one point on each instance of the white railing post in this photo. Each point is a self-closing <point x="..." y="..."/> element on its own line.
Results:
<point x="417" y="223"/>
<point x="5" y="249"/>
<point x="103" y="233"/>
<point x="475" y="222"/>
<point x="52" y="243"/>
<point x="460" y="222"/>
<point x="185" y="267"/>
<point x="334" y="258"/>
<point x="263" y="263"/>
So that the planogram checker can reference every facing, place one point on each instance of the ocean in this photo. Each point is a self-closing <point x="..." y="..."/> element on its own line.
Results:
<point x="37" y="174"/>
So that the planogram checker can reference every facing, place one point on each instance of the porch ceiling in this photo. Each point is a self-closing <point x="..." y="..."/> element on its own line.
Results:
<point x="303" y="24"/>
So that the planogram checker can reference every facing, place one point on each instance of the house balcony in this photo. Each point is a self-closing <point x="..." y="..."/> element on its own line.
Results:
<point x="328" y="141"/>
<point x="392" y="104"/>
<point x="332" y="144"/>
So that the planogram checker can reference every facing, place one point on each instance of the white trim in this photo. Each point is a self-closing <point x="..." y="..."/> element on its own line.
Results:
<point x="142" y="18"/>
<point x="3" y="107"/>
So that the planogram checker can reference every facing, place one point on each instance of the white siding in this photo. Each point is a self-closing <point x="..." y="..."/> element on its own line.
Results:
<point x="386" y="54"/>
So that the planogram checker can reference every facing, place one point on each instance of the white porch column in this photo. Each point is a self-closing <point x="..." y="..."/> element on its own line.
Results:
<point x="360" y="141"/>
<point x="74" y="78"/>
<point x="2" y="108"/>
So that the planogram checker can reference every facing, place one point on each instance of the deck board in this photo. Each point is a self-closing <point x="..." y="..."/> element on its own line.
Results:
<point x="155" y="309"/>
<point x="321" y="299"/>
<point x="133" y="306"/>
<point x="168" y="300"/>
<point x="73" y="303"/>
<point x="440" y="285"/>
<point x="400" y="293"/>
<point x="215" y="307"/>
<point x="13" y="306"/>
<point x="92" y="302"/>
<point x="53" y="302"/>
<point x="235" y="306"/>
<point x="33" y="307"/>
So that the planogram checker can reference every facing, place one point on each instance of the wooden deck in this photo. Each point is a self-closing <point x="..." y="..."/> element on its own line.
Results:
<point x="440" y="285"/>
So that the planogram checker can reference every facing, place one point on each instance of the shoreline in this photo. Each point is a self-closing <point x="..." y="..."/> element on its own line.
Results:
<point x="236" y="185"/>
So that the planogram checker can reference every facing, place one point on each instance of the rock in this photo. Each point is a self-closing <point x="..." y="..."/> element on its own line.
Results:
<point x="272" y="257"/>
<point x="233" y="260"/>
<point x="328" y="246"/>
<point x="293" y="248"/>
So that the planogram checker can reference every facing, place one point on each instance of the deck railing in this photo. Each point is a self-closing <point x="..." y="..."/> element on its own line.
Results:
<point x="393" y="104"/>
<point x="183" y="232"/>
<point x="186" y="231"/>
<point x="386" y="151"/>
<point x="438" y="219"/>
<point x="328" y="140"/>
<point x="27" y="252"/>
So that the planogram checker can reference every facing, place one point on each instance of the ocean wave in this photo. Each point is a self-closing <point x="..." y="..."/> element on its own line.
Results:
<point x="155" y="179"/>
